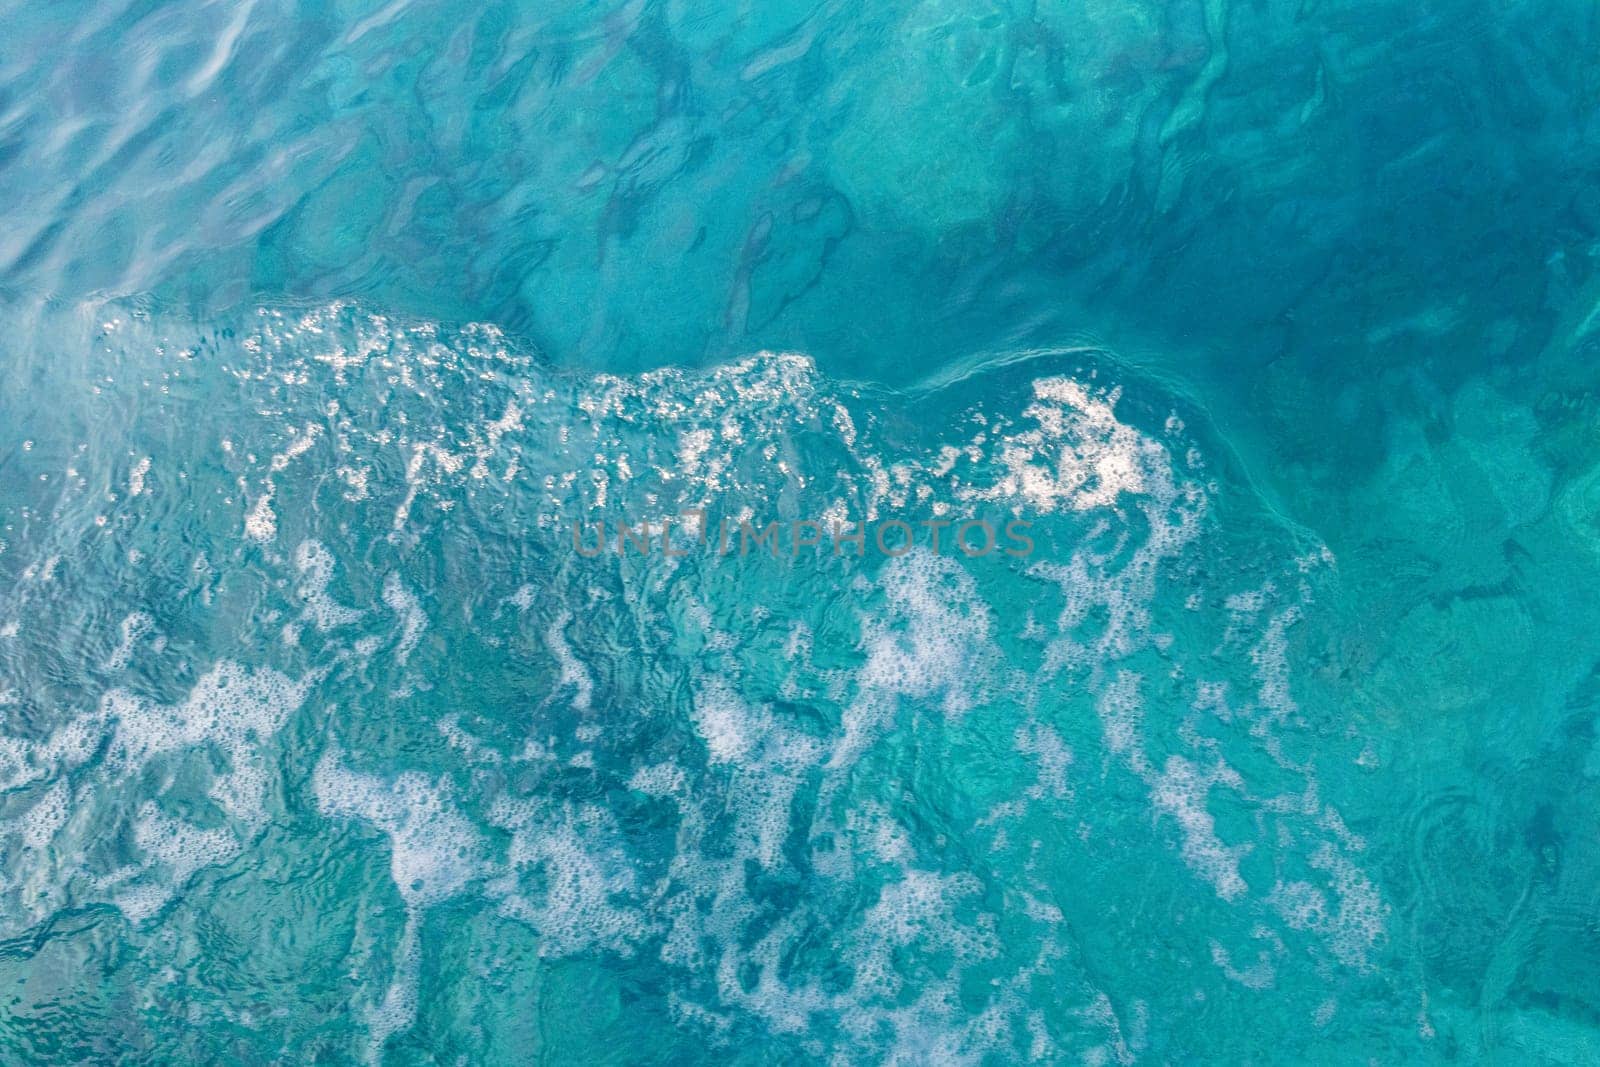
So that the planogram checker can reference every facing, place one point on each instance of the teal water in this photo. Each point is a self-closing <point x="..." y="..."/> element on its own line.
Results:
<point x="323" y="741"/>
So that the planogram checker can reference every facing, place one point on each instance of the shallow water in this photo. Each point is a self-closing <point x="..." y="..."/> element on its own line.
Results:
<point x="323" y="740"/>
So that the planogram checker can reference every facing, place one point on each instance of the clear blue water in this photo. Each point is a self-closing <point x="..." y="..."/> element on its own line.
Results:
<point x="323" y="741"/>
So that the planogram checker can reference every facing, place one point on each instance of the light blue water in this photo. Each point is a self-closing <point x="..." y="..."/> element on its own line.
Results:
<point x="322" y="741"/>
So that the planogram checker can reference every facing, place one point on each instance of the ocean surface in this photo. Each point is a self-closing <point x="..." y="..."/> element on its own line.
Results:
<point x="426" y="434"/>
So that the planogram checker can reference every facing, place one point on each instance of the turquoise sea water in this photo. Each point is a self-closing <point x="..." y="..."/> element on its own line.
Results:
<point x="323" y="741"/>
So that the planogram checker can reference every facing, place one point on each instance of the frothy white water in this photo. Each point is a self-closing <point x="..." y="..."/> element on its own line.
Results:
<point x="855" y="808"/>
<point x="115" y="768"/>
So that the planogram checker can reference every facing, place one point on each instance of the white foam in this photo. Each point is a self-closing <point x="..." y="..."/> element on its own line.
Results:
<point x="1180" y="791"/>
<point x="747" y="435"/>
<point x="47" y="817"/>
<point x="1078" y="456"/>
<point x="396" y="1012"/>
<point x="765" y="761"/>
<point x="356" y="479"/>
<point x="934" y="642"/>
<point x="413" y="620"/>
<point x="585" y="877"/>
<point x="261" y="522"/>
<point x="722" y="720"/>
<point x="1358" y="921"/>
<point x="658" y="780"/>
<point x="1121" y="714"/>
<point x="1118" y="1046"/>
<point x="1271" y="659"/>
<point x="434" y="854"/>
<point x="230" y="706"/>
<point x="136" y="476"/>
<point x="573" y="673"/>
<point x="181" y="849"/>
<point x="231" y="711"/>
<point x="459" y="739"/>
<point x="298" y="446"/>
<point x="316" y="572"/>
<point x="134" y="626"/>
<point x="1260" y="975"/>
<point x="1053" y="758"/>
<point x="692" y="446"/>
<point x="434" y="850"/>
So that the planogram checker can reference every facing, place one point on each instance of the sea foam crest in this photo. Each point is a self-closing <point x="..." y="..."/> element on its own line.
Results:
<point x="101" y="759"/>
<point x="866" y="843"/>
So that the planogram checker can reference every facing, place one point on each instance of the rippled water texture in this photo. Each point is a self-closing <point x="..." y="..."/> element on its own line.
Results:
<point x="322" y="740"/>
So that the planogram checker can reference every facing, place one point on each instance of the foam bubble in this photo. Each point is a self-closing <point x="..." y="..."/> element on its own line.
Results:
<point x="434" y="849"/>
<point x="1180" y="791"/>
<point x="261" y="522"/>
<point x="396" y="1012"/>
<point x="585" y="877"/>
<point x="1121" y="713"/>
<point x="403" y="602"/>
<point x="136" y="476"/>
<point x="315" y="564"/>
<point x="573" y="673"/>
<point x="180" y="849"/>
<point x="658" y="780"/>
<point x="46" y="818"/>
<point x="722" y="720"/>
<point x="133" y="627"/>
<point x="1259" y="975"/>
<point x="1054" y="760"/>
<point x="230" y="713"/>
<point x="1358" y="921"/>
<point x="230" y="706"/>
<point x="780" y="844"/>
<point x="934" y="642"/>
